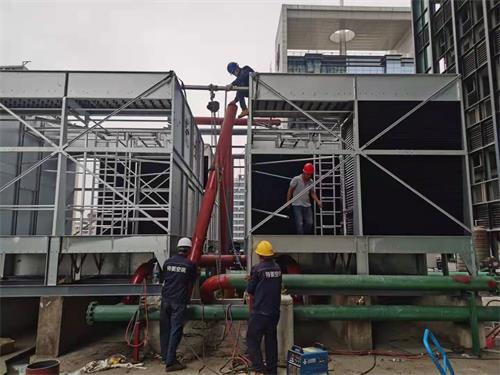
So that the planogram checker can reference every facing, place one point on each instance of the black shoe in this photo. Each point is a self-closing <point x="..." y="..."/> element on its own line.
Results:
<point x="177" y="366"/>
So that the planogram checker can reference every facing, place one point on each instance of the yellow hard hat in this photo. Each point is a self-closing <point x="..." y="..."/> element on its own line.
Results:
<point x="265" y="249"/>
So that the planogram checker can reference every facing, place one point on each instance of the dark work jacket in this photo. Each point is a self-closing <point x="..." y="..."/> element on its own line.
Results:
<point x="179" y="274"/>
<point x="243" y="79"/>
<point x="265" y="286"/>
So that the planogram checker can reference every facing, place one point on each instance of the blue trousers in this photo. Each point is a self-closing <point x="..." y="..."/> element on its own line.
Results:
<point x="172" y="316"/>
<point x="303" y="219"/>
<point x="263" y="326"/>
<point x="240" y="97"/>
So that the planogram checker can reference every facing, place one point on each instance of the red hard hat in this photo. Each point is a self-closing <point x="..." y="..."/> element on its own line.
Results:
<point x="308" y="168"/>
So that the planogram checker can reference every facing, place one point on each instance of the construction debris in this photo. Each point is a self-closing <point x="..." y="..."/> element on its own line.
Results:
<point x="114" y="361"/>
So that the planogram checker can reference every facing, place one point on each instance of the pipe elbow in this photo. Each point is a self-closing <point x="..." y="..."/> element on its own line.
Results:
<point x="211" y="285"/>
<point x="138" y="277"/>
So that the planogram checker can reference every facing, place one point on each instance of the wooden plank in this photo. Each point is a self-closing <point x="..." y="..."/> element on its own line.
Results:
<point x="48" y="336"/>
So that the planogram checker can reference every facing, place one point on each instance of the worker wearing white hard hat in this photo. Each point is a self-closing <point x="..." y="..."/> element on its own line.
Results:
<point x="179" y="275"/>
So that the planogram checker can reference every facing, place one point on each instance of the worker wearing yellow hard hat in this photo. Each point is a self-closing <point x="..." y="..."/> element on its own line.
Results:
<point x="264" y="286"/>
<point x="265" y="249"/>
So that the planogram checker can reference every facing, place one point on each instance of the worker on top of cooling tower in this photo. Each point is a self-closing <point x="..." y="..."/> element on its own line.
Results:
<point x="302" y="208"/>
<point x="179" y="276"/>
<point x="264" y="287"/>
<point x="242" y="80"/>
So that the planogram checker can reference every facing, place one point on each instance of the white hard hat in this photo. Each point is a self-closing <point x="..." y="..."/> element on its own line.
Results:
<point x="184" y="242"/>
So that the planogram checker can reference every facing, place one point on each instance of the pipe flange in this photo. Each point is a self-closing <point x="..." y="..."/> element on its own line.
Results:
<point x="89" y="316"/>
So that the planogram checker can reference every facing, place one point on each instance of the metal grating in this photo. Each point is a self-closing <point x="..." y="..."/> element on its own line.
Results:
<point x="349" y="170"/>
<point x="469" y="63"/>
<point x="495" y="214"/>
<point x="475" y="139"/>
<point x="91" y="106"/>
<point x="438" y="20"/>
<point x="488" y="132"/>
<point x="283" y="109"/>
<point x="497" y="41"/>
<point x="481" y="215"/>
<point x="482" y="55"/>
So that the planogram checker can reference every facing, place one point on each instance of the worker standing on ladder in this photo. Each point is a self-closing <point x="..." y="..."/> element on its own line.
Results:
<point x="264" y="288"/>
<point x="179" y="276"/>
<point x="302" y="208"/>
<point x="242" y="80"/>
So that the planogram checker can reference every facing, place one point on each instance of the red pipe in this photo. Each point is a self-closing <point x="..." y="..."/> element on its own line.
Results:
<point x="136" y="344"/>
<point x="226" y="260"/>
<point x="138" y="277"/>
<point x="207" y="203"/>
<point x="226" y="198"/>
<point x="210" y="285"/>
<point x="223" y="282"/>
<point x="240" y="122"/>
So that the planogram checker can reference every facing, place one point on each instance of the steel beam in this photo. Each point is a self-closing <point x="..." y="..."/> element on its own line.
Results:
<point x="59" y="218"/>
<point x="374" y="244"/>
<point x="75" y="290"/>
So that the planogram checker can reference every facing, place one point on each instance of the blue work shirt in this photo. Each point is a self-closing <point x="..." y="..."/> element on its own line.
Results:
<point x="179" y="275"/>
<point x="243" y="78"/>
<point x="265" y="286"/>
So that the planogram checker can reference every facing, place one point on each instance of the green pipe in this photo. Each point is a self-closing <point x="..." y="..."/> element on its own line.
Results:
<point x="394" y="312"/>
<point x="123" y="313"/>
<point x="375" y="282"/>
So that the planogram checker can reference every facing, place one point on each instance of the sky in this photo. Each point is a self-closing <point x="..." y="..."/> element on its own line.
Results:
<point x="194" y="38"/>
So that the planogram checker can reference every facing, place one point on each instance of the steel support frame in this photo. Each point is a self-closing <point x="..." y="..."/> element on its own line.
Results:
<point x="67" y="149"/>
<point x="365" y="245"/>
<point x="357" y="152"/>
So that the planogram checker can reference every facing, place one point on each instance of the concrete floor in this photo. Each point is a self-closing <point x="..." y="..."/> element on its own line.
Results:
<point x="340" y="364"/>
<point x="390" y="337"/>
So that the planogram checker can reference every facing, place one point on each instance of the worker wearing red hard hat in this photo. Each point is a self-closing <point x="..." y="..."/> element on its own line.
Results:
<point x="302" y="208"/>
<point x="243" y="80"/>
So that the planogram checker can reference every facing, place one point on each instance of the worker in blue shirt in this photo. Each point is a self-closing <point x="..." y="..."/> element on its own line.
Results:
<point x="179" y="276"/>
<point x="242" y="80"/>
<point x="264" y="288"/>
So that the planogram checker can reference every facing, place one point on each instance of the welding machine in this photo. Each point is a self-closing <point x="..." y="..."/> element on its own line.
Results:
<point x="307" y="361"/>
